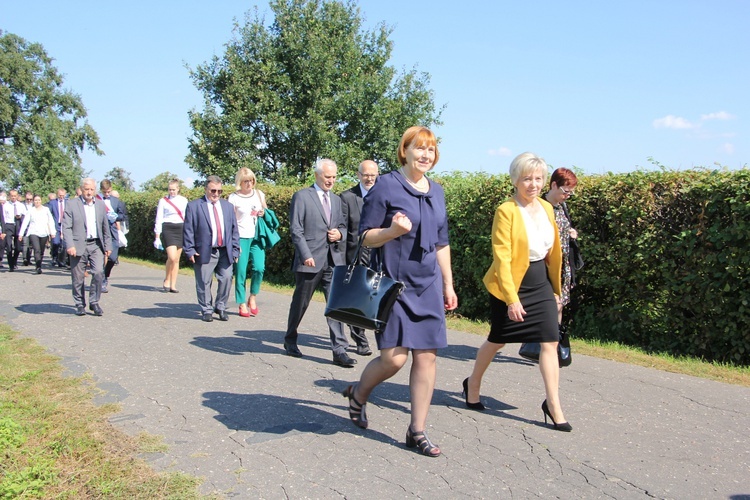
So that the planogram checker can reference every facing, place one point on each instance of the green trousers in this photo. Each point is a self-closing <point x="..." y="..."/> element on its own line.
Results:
<point x="252" y="254"/>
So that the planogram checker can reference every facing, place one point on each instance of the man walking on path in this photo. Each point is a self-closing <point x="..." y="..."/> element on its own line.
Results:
<point x="351" y="204"/>
<point x="86" y="231"/>
<point x="212" y="244"/>
<point x="317" y="227"/>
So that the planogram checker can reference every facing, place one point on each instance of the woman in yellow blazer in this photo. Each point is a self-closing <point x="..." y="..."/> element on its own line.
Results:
<point x="524" y="284"/>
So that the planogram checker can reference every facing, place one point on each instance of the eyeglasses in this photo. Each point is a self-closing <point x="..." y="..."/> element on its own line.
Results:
<point x="567" y="192"/>
<point x="215" y="191"/>
<point x="29" y="199"/>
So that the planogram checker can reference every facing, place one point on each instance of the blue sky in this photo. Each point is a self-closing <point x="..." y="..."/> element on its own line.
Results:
<point x="601" y="86"/>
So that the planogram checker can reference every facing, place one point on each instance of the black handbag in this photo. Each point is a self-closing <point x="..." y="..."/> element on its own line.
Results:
<point x="531" y="350"/>
<point x="360" y="296"/>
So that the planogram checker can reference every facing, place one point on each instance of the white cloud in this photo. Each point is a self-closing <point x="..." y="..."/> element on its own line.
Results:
<point x="188" y="181"/>
<point x="671" y="121"/>
<point x="727" y="148"/>
<point x="502" y="151"/>
<point x="721" y="115"/>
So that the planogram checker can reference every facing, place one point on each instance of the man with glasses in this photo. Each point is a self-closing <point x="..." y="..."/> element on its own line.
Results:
<point x="212" y="243"/>
<point x="352" y="201"/>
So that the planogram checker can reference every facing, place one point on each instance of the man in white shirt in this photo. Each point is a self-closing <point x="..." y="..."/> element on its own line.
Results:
<point x="13" y="212"/>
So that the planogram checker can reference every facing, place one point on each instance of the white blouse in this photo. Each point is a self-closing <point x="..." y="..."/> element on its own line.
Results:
<point x="539" y="232"/>
<point x="39" y="222"/>
<point x="165" y="212"/>
<point x="246" y="208"/>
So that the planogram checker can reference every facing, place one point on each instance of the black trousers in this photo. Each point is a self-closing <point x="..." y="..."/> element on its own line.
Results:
<point x="38" y="243"/>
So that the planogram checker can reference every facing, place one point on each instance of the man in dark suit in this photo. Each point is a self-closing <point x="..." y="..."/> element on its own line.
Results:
<point x="57" y="208"/>
<point x="318" y="233"/>
<point x="212" y="243"/>
<point x="86" y="232"/>
<point x="351" y="202"/>
<point x="115" y="215"/>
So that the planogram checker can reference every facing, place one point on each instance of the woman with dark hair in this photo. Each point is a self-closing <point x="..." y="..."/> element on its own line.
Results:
<point x="562" y="185"/>
<point x="524" y="284"/>
<point x="405" y="214"/>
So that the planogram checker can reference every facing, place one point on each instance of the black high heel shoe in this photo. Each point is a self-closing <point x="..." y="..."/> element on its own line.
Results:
<point x="472" y="406"/>
<point x="420" y="440"/>
<point x="356" y="413"/>
<point x="562" y="426"/>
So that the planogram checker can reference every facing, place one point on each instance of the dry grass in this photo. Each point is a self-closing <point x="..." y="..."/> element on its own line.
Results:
<point x="55" y="443"/>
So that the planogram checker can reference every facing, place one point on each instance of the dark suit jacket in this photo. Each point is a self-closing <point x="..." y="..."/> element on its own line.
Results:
<point x="308" y="227"/>
<point x="54" y="207"/>
<point x="74" y="225"/>
<point x="197" y="230"/>
<point x="351" y="203"/>
<point x="119" y="208"/>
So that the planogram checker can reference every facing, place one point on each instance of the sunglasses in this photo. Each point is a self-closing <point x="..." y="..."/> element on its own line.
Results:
<point x="567" y="192"/>
<point x="215" y="191"/>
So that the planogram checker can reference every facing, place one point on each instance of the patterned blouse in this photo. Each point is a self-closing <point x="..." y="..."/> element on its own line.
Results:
<point x="563" y="224"/>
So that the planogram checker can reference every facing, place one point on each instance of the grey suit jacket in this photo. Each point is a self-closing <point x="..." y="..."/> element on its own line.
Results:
<point x="309" y="229"/>
<point x="74" y="225"/>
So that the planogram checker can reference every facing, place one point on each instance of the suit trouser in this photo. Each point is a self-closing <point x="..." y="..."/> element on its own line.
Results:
<point x="112" y="259"/>
<point x="220" y="265"/>
<point x="250" y="254"/>
<point x="93" y="256"/>
<point x="306" y="283"/>
<point x="26" y="249"/>
<point x="58" y="250"/>
<point x="12" y="245"/>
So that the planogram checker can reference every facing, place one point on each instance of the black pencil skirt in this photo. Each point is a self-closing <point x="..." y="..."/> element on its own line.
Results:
<point x="171" y="234"/>
<point x="538" y="300"/>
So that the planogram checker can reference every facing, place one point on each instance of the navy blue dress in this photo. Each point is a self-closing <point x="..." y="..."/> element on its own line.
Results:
<point x="418" y="317"/>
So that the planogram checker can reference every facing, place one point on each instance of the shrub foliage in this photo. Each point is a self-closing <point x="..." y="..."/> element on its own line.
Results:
<point x="666" y="266"/>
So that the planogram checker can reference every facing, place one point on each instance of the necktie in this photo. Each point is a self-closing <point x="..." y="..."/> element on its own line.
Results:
<point x="219" y="239"/>
<point x="327" y="207"/>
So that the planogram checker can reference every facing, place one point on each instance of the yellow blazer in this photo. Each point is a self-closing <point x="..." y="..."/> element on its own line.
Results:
<point x="510" y="253"/>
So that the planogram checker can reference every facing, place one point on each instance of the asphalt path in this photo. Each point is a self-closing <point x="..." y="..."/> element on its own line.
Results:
<point x="252" y="422"/>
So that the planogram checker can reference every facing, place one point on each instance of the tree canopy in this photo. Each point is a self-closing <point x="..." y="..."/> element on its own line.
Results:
<point x="120" y="179"/>
<point x="43" y="127"/>
<point x="312" y="84"/>
<point x="161" y="182"/>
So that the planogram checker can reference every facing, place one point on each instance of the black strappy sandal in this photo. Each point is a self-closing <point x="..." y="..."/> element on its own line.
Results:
<point x="420" y="440"/>
<point x="356" y="409"/>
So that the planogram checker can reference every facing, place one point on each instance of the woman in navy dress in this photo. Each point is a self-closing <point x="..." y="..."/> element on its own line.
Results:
<point x="404" y="213"/>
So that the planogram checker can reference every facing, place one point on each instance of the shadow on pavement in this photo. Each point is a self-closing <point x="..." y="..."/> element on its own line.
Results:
<point x="165" y="310"/>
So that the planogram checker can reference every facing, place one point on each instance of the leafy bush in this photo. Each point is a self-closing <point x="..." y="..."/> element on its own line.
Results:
<point x="665" y="268"/>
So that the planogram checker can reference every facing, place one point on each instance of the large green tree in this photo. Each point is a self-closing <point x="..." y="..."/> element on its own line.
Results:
<point x="161" y="182"/>
<point x="120" y="179"/>
<point x="43" y="127"/>
<point x="312" y="84"/>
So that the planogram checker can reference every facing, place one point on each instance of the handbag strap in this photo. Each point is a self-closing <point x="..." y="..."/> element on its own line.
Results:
<point x="373" y="251"/>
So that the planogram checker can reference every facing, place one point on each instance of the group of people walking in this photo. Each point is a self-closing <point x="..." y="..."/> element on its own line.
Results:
<point x="401" y="213"/>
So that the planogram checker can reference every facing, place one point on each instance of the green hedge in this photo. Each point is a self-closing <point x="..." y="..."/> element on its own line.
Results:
<point x="665" y="267"/>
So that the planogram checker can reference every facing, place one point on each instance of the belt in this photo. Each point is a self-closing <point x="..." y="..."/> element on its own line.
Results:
<point x="91" y="240"/>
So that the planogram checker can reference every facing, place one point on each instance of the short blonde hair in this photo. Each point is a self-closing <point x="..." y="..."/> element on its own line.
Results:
<point x="243" y="174"/>
<point x="526" y="163"/>
<point x="417" y="136"/>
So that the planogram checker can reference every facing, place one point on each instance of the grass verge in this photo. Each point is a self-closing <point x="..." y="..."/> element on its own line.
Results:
<point x="55" y="443"/>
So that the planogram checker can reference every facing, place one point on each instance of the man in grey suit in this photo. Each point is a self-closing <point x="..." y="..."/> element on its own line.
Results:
<point x="351" y="202"/>
<point x="317" y="227"/>
<point x="211" y="241"/>
<point x="86" y="232"/>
